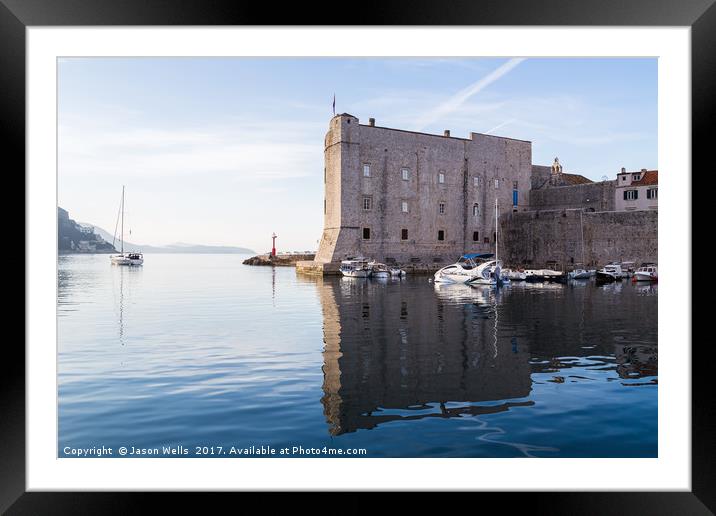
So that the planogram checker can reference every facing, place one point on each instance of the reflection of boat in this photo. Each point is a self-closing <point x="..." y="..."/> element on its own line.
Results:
<point x="355" y="268"/>
<point x="470" y="268"/>
<point x="463" y="292"/>
<point x="646" y="273"/>
<point x="610" y="272"/>
<point x="378" y="270"/>
<point x="123" y="258"/>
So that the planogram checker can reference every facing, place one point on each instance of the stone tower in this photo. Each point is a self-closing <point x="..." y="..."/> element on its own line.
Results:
<point x="341" y="225"/>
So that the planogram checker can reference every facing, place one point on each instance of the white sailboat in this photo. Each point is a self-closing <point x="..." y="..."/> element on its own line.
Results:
<point x="130" y="258"/>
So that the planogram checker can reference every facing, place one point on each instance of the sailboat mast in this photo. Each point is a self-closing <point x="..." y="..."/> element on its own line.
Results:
<point x="122" y="220"/>
<point x="581" y="228"/>
<point x="496" y="215"/>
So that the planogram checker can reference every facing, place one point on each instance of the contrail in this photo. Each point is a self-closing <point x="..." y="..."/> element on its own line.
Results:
<point x="457" y="100"/>
<point x="500" y="125"/>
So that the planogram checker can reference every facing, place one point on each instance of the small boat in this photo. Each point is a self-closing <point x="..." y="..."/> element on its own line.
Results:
<point x="468" y="269"/>
<point x="132" y="258"/>
<point x="610" y="272"/>
<point x="515" y="275"/>
<point x="542" y="275"/>
<point x="379" y="270"/>
<point x="397" y="272"/>
<point x="581" y="274"/>
<point x="647" y="272"/>
<point x="628" y="269"/>
<point x="355" y="268"/>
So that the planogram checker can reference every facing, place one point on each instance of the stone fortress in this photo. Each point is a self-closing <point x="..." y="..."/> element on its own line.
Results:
<point x="422" y="200"/>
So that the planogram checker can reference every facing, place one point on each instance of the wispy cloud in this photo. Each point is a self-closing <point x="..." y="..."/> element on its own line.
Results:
<point x="248" y="151"/>
<point x="456" y="101"/>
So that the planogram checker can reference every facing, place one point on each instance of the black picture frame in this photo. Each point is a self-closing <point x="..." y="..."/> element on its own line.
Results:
<point x="700" y="15"/>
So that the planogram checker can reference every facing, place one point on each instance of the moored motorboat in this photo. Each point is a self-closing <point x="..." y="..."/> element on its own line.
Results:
<point x="515" y="275"/>
<point x="378" y="270"/>
<point x="610" y="272"/>
<point x="542" y="275"/>
<point x="355" y="268"/>
<point x="647" y="272"/>
<point x="397" y="272"/>
<point x="469" y="268"/>
<point x="581" y="274"/>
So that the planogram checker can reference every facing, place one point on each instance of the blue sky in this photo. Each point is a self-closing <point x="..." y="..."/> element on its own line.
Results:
<point x="226" y="151"/>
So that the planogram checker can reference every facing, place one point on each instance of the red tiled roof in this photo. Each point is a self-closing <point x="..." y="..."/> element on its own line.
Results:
<point x="575" y="179"/>
<point x="650" y="177"/>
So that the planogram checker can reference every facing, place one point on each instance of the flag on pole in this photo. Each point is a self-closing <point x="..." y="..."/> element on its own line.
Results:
<point x="334" y="104"/>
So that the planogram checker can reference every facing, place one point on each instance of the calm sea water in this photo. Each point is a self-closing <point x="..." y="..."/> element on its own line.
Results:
<point x="204" y="353"/>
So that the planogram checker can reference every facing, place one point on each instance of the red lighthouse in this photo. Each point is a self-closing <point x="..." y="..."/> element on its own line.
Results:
<point x="273" y="245"/>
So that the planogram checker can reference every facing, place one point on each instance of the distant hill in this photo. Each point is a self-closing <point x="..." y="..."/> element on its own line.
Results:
<point x="73" y="237"/>
<point x="178" y="247"/>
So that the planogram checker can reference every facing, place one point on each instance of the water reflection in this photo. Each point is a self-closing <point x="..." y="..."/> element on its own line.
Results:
<point x="457" y="350"/>
<point x="390" y="355"/>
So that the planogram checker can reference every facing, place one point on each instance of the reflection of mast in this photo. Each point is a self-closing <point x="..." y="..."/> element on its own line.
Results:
<point x="121" y="306"/>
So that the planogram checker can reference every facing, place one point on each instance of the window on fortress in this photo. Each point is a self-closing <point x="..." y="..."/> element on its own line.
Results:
<point x="476" y="181"/>
<point x="475" y="210"/>
<point x="441" y="177"/>
<point x="405" y="173"/>
<point x="367" y="202"/>
<point x="631" y="195"/>
<point x="475" y="236"/>
<point x="403" y="234"/>
<point x="514" y="185"/>
<point x="366" y="233"/>
<point x="497" y="184"/>
<point x="486" y="240"/>
<point x="441" y="234"/>
<point x="651" y="193"/>
<point x="404" y="206"/>
<point x="366" y="170"/>
<point x="441" y="208"/>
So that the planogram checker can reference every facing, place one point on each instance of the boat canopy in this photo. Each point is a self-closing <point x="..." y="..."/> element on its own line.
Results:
<point x="472" y="256"/>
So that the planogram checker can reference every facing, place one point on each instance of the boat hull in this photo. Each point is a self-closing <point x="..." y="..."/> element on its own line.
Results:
<point x="644" y="276"/>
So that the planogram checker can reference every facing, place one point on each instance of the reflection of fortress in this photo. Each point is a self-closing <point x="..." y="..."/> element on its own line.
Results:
<point x="386" y="348"/>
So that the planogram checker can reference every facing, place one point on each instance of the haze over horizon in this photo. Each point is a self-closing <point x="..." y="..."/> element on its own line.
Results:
<point x="226" y="151"/>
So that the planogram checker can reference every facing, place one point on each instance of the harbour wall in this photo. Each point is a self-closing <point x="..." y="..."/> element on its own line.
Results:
<point x="553" y="238"/>
<point x="591" y="197"/>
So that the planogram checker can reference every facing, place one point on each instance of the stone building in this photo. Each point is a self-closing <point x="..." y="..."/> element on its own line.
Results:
<point x="410" y="197"/>
<point x="553" y="189"/>
<point x="637" y="190"/>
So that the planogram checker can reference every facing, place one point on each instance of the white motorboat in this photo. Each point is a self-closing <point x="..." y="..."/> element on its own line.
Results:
<point x="515" y="275"/>
<point x="130" y="258"/>
<point x="610" y="272"/>
<point x="355" y="268"/>
<point x="468" y="269"/>
<point x="628" y="269"/>
<point x="378" y="270"/>
<point x="542" y="275"/>
<point x="581" y="274"/>
<point x="647" y="272"/>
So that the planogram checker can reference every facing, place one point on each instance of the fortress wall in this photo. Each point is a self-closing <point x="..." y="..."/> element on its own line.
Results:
<point x="536" y="238"/>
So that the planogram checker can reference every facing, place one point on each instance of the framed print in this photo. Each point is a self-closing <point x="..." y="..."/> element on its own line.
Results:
<point x="419" y="250"/>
